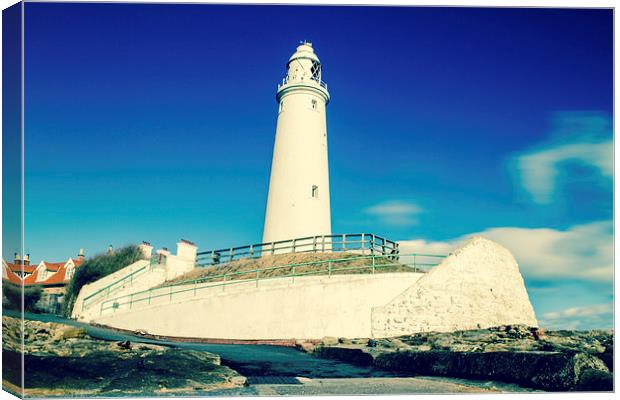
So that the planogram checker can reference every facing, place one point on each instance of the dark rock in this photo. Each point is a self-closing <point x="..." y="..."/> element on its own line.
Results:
<point x="124" y="345"/>
<point x="546" y="371"/>
<point x="351" y="355"/>
<point x="371" y="343"/>
<point x="594" y="380"/>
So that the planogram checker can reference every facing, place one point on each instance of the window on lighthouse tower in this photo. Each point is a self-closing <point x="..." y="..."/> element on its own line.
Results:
<point x="315" y="191"/>
<point x="315" y="70"/>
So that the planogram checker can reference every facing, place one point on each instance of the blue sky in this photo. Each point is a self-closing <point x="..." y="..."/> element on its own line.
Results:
<point x="156" y="122"/>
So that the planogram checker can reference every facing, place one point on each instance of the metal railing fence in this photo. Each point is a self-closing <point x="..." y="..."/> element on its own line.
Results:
<point x="155" y="261"/>
<point x="363" y="243"/>
<point x="363" y="264"/>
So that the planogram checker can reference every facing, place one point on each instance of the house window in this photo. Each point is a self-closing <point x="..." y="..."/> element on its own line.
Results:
<point x="315" y="191"/>
<point x="314" y="104"/>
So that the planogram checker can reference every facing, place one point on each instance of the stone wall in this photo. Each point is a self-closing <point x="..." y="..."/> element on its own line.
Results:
<point x="478" y="286"/>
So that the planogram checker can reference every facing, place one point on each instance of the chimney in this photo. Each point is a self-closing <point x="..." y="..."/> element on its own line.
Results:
<point x="186" y="250"/>
<point x="27" y="259"/>
<point x="81" y="254"/>
<point x="18" y="259"/>
<point x="110" y="249"/>
<point x="146" y="249"/>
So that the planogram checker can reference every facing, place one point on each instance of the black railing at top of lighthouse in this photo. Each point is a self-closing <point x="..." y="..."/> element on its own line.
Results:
<point x="362" y="243"/>
<point x="286" y="79"/>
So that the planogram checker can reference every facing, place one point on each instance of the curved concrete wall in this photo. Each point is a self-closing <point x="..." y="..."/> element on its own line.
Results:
<point x="309" y="308"/>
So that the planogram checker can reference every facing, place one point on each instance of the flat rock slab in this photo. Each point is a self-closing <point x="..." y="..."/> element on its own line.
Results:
<point x="64" y="361"/>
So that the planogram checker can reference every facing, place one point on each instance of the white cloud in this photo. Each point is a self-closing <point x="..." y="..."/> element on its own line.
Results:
<point x="585" y="317"/>
<point x="539" y="170"/>
<point x="395" y="212"/>
<point x="581" y="252"/>
<point x="578" y="137"/>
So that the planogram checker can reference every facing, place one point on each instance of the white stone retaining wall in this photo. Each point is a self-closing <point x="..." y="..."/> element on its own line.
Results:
<point x="479" y="286"/>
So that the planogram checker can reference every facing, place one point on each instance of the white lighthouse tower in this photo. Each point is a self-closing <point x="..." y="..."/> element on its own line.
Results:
<point x="298" y="200"/>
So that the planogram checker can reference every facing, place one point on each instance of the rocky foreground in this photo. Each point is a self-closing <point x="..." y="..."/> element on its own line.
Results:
<point x="62" y="360"/>
<point x="553" y="361"/>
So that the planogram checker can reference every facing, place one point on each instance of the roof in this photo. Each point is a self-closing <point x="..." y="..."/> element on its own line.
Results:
<point x="32" y="278"/>
<point x="54" y="266"/>
<point x="18" y="267"/>
<point x="58" y="276"/>
<point x="11" y="276"/>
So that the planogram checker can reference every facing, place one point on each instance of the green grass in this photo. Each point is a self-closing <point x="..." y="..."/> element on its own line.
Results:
<point x="97" y="267"/>
<point x="346" y="263"/>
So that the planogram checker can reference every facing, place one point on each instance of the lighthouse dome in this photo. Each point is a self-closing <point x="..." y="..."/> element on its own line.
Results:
<point x="304" y="50"/>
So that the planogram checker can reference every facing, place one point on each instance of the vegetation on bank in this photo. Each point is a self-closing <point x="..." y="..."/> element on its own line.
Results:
<point x="271" y="266"/>
<point x="13" y="295"/>
<point x="97" y="267"/>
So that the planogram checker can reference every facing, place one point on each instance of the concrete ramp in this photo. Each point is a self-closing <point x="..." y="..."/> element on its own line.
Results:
<point x="478" y="286"/>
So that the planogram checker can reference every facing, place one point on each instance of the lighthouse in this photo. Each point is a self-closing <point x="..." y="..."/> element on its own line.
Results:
<point x="298" y="199"/>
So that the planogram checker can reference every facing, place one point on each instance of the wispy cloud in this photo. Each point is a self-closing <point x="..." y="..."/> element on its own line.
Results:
<point x="395" y="212"/>
<point x="582" y="251"/>
<point x="585" y="317"/>
<point x="578" y="137"/>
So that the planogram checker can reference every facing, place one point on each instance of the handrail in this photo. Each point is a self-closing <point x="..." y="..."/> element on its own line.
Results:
<point x="152" y="263"/>
<point x="364" y="242"/>
<point x="286" y="81"/>
<point x="182" y="287"/>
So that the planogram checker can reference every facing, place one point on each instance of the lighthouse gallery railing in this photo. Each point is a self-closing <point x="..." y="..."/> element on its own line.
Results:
<point x="362" y="243"/>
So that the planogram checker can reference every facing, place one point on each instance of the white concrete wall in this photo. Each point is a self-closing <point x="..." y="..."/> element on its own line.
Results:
<point x="91" y="288"/>
<point x="309" y="308"/>
<point x="299" y="159"/>
<point x="478" y="286"/>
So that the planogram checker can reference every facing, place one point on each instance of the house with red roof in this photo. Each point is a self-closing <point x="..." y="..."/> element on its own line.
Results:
<point x="51" y="277"/>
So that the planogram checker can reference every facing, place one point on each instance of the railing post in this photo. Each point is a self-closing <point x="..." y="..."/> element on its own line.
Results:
<point x="415" y="268"/>
<point x="170" y="294"/>
<point x="344" y="243"/>
<point x="213" y="257"/>
<point x="231" y="253"/>
<point x="373" y="264"/>
<point x="273" y="248"/>
<point x="363" y="240"/>
<point x="322" y="243"/>
<point x="293" y="274"/>
<point x="329" y="268"/>
<point x="372" y="244"/>
<point x="150" y="291"/>
<point x="195" y="286"/>
<point x="314" y="244"/>
<point x="251" y="251"/>
<point x="130" y="301"/>
<point x="294" y="242"/>
<point x="101" y="309"/>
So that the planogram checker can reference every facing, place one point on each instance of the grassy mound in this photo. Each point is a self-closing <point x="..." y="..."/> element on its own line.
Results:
<point x="268" y="265"/>
<point x="97" y="267"/>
